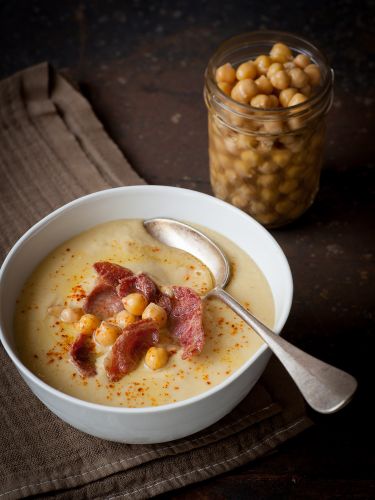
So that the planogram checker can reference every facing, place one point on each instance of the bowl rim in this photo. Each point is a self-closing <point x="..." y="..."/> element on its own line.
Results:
<point x="28" y="374"/>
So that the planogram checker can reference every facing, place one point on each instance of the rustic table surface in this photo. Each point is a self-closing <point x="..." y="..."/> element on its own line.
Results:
<point x="141" y="66"/>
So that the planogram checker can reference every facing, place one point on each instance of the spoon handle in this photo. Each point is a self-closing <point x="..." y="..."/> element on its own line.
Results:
<point x="325" y="388"/>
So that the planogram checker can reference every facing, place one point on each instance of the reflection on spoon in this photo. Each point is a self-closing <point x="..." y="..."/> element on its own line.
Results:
<point x="325" y="388"/>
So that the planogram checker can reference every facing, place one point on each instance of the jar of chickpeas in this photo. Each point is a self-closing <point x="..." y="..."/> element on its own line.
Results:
<point x="267" y="95"/>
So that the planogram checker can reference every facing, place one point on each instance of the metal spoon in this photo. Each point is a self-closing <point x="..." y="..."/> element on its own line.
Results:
<point x="325" y="388"/>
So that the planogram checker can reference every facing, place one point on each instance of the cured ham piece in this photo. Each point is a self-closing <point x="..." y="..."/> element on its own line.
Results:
<point x="103" y="301"/>
<point x="138" y="283"/>
<point x="110" y="273"/>
<point x="82" y="355"/>
<point x="183" y="306"/>
<point x="129" y="347"/>
<point x="165" y="302"/>
<point x="186" y="320"/>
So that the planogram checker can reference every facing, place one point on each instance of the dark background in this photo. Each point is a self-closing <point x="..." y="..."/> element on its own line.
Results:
<point x="141" y="66"/>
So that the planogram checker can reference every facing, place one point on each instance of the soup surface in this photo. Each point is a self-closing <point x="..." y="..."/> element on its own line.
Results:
<point x="66" y="276"/>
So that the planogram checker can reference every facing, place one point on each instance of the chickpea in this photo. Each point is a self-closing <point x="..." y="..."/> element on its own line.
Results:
<point x="286" y="95"/>
<point x="299" y="158"/>
<point x="236" y="120"/>
<point x="297" y="211"/>
<point x="267" y="180"/>
<point x="225" y="87"/>
<point x="246" y="141"/>
<point x="106" y="334"/>
<point x="264" y="85"/>
<point x="298" y="78"/>
<point x="280" y="80"/>
<point x="265" y="145"/>
<point x="219" y="144"/>
<point x="288" y="186"/>
<point x="294" y="172"/>
<point x="263" y="63"/>
<point x="306" y="90"/>
<point x="296" y="144"/>
<point x="244" y="91"/>
<point x="250" y="157"/>
<point x="274" y="68"/>
<point x="239" y="201"/>
<point x="88" y="323"/>
<point x="260" y="101"/>
<point x="241" y="198"/>
<point x="257" y="207"/>
<point x="251" y="125"/>
<point x="273" y="101"/>
<point x="243" y="194"/>
<point x="224" y="160"/>
<point x="281" y="53"/>
<point x="297" y="99"/>
<point x="231" y="145"/>
<point x="283" y="207"/>
<point x="124" y="318"/>
<point x="295" y="123"/>
<point x="297" y="195"/>
<point x="135" y="303"/>
<point x="243" y="168"/>
<point x="246" y="70"/>
<point x="289" y="65"/>
<point x="274" y="126"/>
<point x="231" y="175"/>
<point x="281" y="157"/>
<point x="157" y="313"/>
<point x="269" y="195"/>
<point x="70" y="314"/>
<point x="268" y="167"/>
<point x="313" y="72"/>
<point x="302" y="60"/>
<point x="156" y="357"/>
<point x="226" y="73"/>
<point x="287" y="140"/>
<point x="220" y="189"/>
<point x="214" y="175"/>
<point x="267" y="218"/>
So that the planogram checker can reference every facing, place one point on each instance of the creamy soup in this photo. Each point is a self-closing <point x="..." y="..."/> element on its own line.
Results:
<point x="66" y="276"/>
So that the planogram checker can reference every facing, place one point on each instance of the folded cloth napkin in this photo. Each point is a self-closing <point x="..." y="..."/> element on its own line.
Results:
<point x="52" y="150"/>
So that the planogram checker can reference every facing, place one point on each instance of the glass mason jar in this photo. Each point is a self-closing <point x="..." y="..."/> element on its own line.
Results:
<point x="266" y="161"/>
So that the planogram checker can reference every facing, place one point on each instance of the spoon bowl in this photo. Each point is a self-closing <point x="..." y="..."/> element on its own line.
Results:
<point x="184" y="237"/>
<point x="325" y="388"/>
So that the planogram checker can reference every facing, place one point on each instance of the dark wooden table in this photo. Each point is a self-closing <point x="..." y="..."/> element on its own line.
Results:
<point x="141" y="66"/>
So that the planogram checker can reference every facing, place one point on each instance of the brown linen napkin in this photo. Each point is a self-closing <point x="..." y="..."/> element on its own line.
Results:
<point x="52" y="150"/>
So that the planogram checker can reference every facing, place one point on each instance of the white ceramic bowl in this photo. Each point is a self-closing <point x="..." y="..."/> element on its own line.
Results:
<point x="153" y="424"/>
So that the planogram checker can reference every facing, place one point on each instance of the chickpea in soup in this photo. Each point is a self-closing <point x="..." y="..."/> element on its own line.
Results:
<point x="73" y="331"/>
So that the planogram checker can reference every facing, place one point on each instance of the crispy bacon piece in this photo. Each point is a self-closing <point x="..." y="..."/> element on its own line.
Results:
<point x="138" y="283"/>
<point x="129" y="347"/>
<point x="103" y="301"/>
<point x="82" y="355"/>
<point x="110" y="273"/>
<point x="186" y="320"/>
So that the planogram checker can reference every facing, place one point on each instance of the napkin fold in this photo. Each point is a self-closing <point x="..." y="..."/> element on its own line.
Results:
<point x="52" y="150"/>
